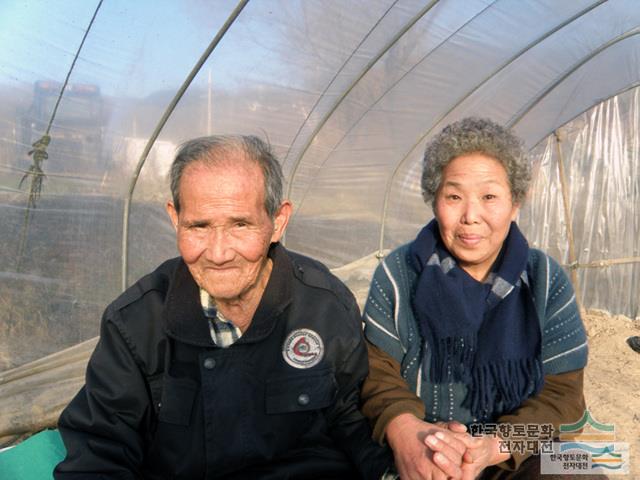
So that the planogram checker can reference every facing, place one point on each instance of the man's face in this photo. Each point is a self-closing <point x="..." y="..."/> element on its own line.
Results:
<point x="223" y="229"/>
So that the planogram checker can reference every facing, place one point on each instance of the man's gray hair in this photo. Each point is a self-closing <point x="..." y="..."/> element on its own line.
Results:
<point x="476" y="135"/>
<point x="216" y="148"/>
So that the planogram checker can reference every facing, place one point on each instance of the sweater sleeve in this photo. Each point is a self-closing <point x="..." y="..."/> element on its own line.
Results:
<point x="385" y="393"/>
<point x="564" y="340"/>
<point x="381" y="313"/>
<point x="561" y="401"/>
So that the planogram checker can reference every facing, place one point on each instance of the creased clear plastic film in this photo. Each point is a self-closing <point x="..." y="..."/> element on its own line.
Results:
<point x="600" y="150"/>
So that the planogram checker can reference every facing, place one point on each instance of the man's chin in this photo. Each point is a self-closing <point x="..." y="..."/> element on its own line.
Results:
<point x="223" y="294"/>
<point x="226" y="285"/>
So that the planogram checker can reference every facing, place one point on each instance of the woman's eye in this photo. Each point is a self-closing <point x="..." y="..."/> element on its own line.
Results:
<point x="490" y="196"/>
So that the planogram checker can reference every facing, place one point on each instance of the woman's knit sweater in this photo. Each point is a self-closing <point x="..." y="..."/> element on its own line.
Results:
<point x="391" y="325"/>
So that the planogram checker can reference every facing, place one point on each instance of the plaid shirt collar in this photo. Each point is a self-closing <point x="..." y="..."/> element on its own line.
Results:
<point x="183" y="304"/>
<point x="223" y="332"/>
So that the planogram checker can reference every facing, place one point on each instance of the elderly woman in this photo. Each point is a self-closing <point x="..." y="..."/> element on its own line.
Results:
<point x="468" y="323"/>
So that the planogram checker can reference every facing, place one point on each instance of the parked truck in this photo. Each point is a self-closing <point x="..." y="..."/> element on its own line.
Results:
<point x="78" y="128"/>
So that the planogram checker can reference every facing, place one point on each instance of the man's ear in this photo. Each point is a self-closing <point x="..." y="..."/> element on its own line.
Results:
<point x="173" y="214"/>
<point x="281" y="220"/>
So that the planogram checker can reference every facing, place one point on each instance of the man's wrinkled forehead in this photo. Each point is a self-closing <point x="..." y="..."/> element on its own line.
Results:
<point x="224" y="164"/>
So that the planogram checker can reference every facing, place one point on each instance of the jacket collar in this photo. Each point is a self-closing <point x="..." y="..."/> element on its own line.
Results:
<point x="185" y="320"/>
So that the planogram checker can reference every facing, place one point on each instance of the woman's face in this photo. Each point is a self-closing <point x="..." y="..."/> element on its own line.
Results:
<point x="474" y="209"/>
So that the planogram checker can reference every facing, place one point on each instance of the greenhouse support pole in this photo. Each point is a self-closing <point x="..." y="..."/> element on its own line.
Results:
<point x="161" y="123"/>
<point x="573" y="260"/>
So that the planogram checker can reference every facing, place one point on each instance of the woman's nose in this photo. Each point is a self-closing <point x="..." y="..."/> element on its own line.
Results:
<point x="470" y="212"/>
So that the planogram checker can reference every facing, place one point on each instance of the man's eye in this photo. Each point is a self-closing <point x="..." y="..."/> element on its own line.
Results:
<point x="453" y="196"/>
<point x="490" y="196"/>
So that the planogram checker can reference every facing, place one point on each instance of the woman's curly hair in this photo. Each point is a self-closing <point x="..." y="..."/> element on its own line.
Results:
<point x="476" y="135"/>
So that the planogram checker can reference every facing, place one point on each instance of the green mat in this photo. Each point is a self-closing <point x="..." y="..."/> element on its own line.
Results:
<point x="33" y="459"/>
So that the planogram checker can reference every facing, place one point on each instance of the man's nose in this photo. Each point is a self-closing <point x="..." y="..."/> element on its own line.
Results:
<point x="219" y="247"/>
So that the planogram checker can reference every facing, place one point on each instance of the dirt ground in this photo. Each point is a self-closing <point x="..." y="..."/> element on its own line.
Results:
<point x="612" y="382"/>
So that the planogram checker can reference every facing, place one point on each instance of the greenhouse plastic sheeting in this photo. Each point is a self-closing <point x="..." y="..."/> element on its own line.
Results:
<point x="348" y="93"/>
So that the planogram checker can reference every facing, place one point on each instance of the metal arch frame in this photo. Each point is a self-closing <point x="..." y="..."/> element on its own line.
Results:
<point x="353" y="84"/>
<point x="427" y="55"/>
<point x="161" y="123"/>
<point x="581" y="112"/>
<point x="333" y="79"/>
<point x="515" y="119"/>
<point x="393" y="85"/>
<point x="460" y="101"/>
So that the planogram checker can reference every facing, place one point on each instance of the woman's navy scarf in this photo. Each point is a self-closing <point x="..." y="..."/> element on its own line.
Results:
<point x="485" y="335"/>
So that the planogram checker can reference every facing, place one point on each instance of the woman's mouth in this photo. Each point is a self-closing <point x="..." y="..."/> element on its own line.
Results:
<point x="469" y="240"/>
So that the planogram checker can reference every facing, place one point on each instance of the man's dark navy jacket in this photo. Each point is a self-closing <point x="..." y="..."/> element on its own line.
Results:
<point x="162" y="401"/>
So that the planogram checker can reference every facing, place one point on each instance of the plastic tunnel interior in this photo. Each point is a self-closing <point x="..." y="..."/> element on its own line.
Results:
<point x="347" y="94"/>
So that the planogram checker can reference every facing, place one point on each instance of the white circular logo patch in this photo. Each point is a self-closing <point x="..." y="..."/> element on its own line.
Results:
<point x="303" y="348"/>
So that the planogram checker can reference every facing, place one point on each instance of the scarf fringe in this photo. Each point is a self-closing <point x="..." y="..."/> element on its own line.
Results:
<point x="452" y="359"/>
<point x="505" y="384"/>
<point x="469" y="331"/>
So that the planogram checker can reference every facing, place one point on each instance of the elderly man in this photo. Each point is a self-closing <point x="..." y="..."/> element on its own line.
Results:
<point x="239" y="359"/>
